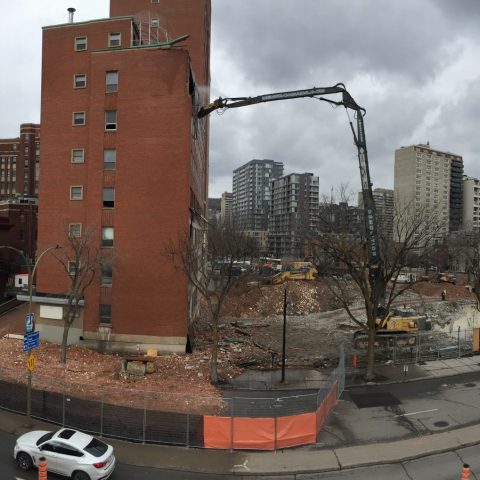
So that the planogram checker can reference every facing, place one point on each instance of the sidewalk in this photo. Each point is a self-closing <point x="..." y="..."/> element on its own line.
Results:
<point x="308" y="460"/>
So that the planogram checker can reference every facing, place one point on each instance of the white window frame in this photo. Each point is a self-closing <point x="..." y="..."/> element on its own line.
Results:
<point x="78" y="124"/>
<point x="74" y="159"/>
<point x="114" y="39"/>
<point x="79" y="43"/>
<point x="77" y="77"/>
<point x="71" y="268"/>
<point x="108" y="165"/>
<point x="106" y="241"/>
<point x="111" y="87"/>
<point x="72" y="196"/>
<point x="71" y="230"/>
<point x="111" y="124"/>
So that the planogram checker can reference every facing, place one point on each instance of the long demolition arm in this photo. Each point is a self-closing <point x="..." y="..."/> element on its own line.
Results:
<point x="375" y="261"/>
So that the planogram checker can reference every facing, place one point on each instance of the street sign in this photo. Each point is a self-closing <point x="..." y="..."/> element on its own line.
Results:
<point x="29" y="322"/>
<point x="30" y="341"/>
<point x="31" y="361"/>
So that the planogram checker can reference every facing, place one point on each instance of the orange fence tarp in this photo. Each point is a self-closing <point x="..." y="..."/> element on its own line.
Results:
<point x="259" y="433"/>
<point x="296" y="430"/>
<point x="248" y="433"/>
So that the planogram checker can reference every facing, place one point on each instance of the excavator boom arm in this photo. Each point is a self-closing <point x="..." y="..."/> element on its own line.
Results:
<point x="348" y="102"/>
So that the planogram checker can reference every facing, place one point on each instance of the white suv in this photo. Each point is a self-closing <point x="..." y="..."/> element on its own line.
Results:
<point x="68" y="452"/>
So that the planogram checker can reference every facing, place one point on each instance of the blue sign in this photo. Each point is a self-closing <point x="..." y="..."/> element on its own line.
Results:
<point x="29" y="322"/>
<point x="31" y="341"/>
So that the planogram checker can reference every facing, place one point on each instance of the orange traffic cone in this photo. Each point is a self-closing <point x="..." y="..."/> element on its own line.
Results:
<point x="466" y="471"/>
<point x="42" y="468"/>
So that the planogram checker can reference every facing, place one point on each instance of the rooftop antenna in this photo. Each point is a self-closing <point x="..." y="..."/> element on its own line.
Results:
<point x="71" y="11"/>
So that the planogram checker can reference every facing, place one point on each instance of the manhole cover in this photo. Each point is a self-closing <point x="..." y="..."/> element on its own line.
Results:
<point x="378" y="399"/>
<point x="441" y="424"/>
<point x="469" y="385"/>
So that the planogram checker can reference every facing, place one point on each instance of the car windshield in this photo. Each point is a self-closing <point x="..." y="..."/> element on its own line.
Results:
<point x="44" y="438"/>
<point x="96" y="448"/>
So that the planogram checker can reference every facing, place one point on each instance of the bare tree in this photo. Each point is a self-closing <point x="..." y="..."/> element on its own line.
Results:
<point x="209" y="258"/>
<point x="81" y="258"/>
<point x="346" y="252"/>
<point x="465" y="248"/>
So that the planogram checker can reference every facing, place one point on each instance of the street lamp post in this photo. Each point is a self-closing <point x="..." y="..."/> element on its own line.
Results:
<point x="31" y="273"/>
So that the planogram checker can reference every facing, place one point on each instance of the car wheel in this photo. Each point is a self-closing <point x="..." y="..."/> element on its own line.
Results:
<point x="78" y="475"/>
<point x="24" y="461"/>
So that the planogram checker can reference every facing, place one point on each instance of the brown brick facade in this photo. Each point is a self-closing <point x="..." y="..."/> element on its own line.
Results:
<point x="161" y="164"/>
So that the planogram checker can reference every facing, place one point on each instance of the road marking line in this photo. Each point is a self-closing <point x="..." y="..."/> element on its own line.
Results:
<point x="243" y="465"/>
<point x="415" y="413"/>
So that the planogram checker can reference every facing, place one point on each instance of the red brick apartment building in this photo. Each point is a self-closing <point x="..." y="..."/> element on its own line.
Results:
<point x="124" y="154"/>
<point x="19" y="162"/>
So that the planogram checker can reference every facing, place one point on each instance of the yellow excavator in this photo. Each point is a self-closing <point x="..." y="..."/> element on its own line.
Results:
<point x="296" y="271"/>
<point x="398" y="328"/>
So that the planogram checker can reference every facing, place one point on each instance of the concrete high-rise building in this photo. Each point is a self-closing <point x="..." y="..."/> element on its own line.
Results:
<point x="383" y="199"/>
<point x="471" y="203"/>
<point x="124" y="156"/>
<point x="428" y="182"/>
<point x="226" y="208"/>
<point x="252" y="195"/>
<point x="19" y="162"/>
<point x="293" y="214"/>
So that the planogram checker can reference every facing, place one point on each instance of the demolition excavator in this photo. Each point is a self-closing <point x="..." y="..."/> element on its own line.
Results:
<point x="346" y="100"/>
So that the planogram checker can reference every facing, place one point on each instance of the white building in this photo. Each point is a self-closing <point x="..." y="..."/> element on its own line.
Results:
<point x="471" y="203"/>
<point x="429" y="182"/>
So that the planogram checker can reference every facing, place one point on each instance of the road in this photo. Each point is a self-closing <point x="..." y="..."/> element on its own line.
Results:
<point x="411" y="409"/>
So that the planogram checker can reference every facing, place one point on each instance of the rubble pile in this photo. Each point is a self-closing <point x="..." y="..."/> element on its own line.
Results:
<point x="250" y="336"/>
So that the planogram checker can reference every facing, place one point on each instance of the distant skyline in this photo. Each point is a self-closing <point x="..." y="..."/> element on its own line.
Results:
<point x="413" y="66"/>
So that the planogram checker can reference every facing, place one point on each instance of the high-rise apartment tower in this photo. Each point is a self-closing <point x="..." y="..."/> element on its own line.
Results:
<point x="428" y="182"/>
<point x="293" y="214"/>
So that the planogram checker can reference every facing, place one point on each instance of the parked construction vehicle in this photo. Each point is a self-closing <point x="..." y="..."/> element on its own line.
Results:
<point x="397" y="328"/>
<point x="447" y="278"/>
<point x="296" y="271"/>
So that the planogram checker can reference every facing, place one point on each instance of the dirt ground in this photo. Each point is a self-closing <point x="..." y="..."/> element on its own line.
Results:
<point x="251" y="337"/>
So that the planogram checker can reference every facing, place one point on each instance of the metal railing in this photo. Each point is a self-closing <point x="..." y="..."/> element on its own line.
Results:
<point x="428" y="346"/>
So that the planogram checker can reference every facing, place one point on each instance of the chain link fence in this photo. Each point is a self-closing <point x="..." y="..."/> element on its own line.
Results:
<point x="427" y="346"/>
<point x="151" y="417"/>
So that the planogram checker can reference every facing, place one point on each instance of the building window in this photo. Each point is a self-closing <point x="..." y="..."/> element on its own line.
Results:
<point x="80" y="43"/>
<point x="111" y="120"/>
<point x="155" y="1"/>
<point x="79" y="80"/>
<point x="76" y="193"/>
<point x="108" y="197"/>
<point x="111" y="81"/>
<point x="78" y="118"/>
<point x="72" y="268"/>
<point x="107" y="236"/>
<point x="114" y="39"/>
<point x="105" y="313"/>
<point x="106" y="278"/>
<point x="109" y="159"/>
<point x="75" y="230"/>
<point x="78" y="155"/>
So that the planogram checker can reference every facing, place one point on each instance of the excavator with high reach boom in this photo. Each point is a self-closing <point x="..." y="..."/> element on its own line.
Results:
<point x="375" y="262"/>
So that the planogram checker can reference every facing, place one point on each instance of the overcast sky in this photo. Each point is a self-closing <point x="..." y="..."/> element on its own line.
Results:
<point x="413" y="65"/>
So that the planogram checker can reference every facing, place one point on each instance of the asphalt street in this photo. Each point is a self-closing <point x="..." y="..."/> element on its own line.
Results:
<point x="424" y="407"/>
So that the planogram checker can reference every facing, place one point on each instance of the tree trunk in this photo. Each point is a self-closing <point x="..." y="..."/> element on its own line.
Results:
<point x="370" y="375"/>
<point x="63" y="350"/>
<point x="213" y="361"/>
